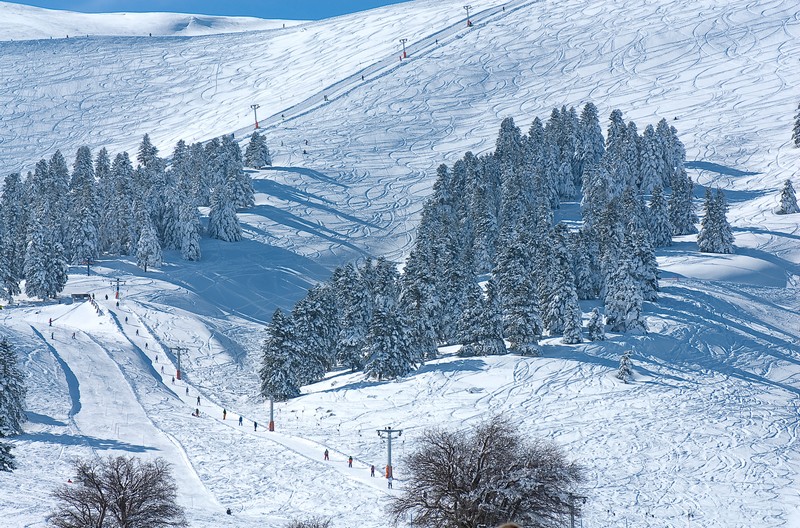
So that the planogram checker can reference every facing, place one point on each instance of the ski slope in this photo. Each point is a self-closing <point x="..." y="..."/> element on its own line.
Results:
<point x="705" y="436"/>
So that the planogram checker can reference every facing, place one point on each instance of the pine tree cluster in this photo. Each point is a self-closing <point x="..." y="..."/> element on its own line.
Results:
<point x="490" y="266"/>
<point x="362" y="319"/>
<point x="54" y="218"/>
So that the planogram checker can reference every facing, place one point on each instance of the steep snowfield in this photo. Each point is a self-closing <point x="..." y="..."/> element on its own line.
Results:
<point x="22" y="22"/>
<point x="705" y="436"/>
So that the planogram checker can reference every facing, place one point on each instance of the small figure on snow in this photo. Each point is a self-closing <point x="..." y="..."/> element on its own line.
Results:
<point x="350" y="462"/>
<point x="255" y="426"/>
<point x="198" y="400"/>
<point x="51" y="322"/>
<point x="228" y="511"/>
<point x="73" y="335"/>
<point x="187" y="391"/>
<point x="224" y="414"/>
<point x="372" y="470"/>
<point x="240" y="420"/>
<point x="126" y="317"/>
<point x="389" y="481"/>
<point x="325" y="455"/>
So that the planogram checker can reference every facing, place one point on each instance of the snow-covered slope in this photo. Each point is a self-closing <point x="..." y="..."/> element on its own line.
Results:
<point x="22" y="22"/>
<point x="707" y="434"/>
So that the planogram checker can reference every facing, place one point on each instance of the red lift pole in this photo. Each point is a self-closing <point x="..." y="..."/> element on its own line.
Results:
<point x="403" y="42"/>
<point x="469" y="22"/>
<point x="255" y="107"/>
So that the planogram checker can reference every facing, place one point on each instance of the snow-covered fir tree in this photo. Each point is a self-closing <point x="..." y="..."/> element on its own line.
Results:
<point x="12" y="391"/>
<point x="650" y="161"/>
<point x="420" y="304"/>
<point x="45" y="266"/>
<point x="561" y="313"/>
<point x="681" y="207"/>
<point x="715" y="232"/>
<point x="85" y="238"/>
<point x="222" y="221"/>
<point x="278" y="362"/>
<point x="189" y="232"/>
<point x="491" y="340"/>
<point x="623" y="300"/>
<point x="522" y="323"/>
<point x="788" y="203"/>
<point x="118" y="227"/>
<point x="591" y="144"/>
<point x="638" y="250"/>
<point x="387" y="344"/>
<point x="231" y="171"/>
<point x="257" y="154"/>
<point x="481" y="327"/>
<point x="83" y="217"/>
<point x="796" y="129"/>
<point x="356" y="312"/>
<point x="586" y="264"/>
<point x="14" y="217"/>
<point x="148" y="249"/>
<point x="595" y="327"/>
<point x="625" y="370"/>
<point x="316" y="325"/>
<point x="6" y="456"/>
<point x="57" y="198"/>
<point x="658" y="219"/>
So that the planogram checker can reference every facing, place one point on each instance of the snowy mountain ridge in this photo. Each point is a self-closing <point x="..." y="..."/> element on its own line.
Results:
<point x="705" y="435"/>
<point x="23" y="22"/>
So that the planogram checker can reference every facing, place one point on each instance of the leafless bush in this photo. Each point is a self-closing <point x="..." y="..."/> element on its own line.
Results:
<point x="487" y="477"/>
<point x="119" y="492"/>
<point x="316" y="522"/>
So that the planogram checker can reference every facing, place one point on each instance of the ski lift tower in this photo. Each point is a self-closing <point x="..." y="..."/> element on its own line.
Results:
<point x="469" y="22"/>
<point x="403" y="42"/>
<point x="178" y="351"/>
<point x="118" y="283"/>
<point x="255" y="108"/>
<point x="388" y="432"/>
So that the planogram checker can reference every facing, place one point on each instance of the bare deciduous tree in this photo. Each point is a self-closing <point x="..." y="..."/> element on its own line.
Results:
<point x="489" y="476"/>
<point x="119" y="492"/>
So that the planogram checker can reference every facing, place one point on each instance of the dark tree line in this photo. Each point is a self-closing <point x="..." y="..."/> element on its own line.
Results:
<point x="56" y="217"/>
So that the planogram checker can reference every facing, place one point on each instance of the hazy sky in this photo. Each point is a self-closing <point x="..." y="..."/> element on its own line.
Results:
<point x="289" y="9"/>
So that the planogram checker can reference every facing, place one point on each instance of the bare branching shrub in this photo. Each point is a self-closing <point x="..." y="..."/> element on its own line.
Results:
<point x="315" y="522"/>
<point x="487" y="477"/>
<point x="119" y="492"/>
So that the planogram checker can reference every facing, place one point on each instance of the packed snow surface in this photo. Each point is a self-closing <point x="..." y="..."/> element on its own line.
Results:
<point x="705" y="435"/>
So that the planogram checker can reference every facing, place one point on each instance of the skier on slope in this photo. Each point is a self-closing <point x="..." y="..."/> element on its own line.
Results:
<point x="325" y="455"/>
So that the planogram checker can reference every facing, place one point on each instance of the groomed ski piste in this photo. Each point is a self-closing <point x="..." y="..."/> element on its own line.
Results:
<point x="705" y="435"/>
